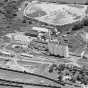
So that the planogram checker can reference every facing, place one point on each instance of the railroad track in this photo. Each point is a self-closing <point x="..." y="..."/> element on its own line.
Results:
<point x="9" y="85"/>
<point x="20" y="84"/>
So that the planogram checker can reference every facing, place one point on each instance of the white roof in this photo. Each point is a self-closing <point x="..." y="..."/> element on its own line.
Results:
<point x="19" y="37"/>
<point x="40" y="29"/>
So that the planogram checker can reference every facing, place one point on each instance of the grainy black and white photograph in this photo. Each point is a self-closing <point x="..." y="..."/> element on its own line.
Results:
<point x="43" y="43"/>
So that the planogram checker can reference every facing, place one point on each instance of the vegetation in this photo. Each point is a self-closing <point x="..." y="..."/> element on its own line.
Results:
<point x="9" y="20"/>
<point x="77" y="74"/>
<point x="10" y="10"/>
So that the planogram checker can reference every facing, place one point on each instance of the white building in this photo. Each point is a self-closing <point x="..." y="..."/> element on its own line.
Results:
<point x="19" y="37"/>
<point x="40" y="29"/>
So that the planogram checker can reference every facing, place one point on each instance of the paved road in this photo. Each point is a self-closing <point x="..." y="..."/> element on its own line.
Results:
<point x="38" y="59"/>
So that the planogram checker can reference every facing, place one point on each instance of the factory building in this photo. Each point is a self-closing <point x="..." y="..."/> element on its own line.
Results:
<point x="57" y="49"/>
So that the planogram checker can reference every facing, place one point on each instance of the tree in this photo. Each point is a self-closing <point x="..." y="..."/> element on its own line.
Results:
<point x="86" y="3"/>
<point x="10" y="9"/>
